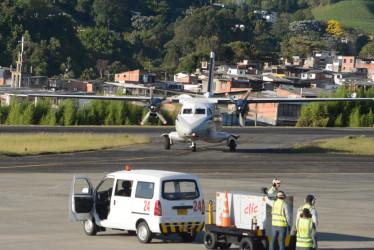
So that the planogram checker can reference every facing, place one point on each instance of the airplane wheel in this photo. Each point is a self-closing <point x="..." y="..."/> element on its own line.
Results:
<point x="167" y="143"/>
<point x="193" y="148"/>
<point x="232" y="145"/>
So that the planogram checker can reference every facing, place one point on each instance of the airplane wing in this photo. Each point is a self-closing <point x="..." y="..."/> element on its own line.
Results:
<point x="294" y="100"/>
<point x="95" y="97"/>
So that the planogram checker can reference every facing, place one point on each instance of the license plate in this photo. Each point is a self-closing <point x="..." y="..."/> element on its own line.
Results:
<point x="182" y="211"/>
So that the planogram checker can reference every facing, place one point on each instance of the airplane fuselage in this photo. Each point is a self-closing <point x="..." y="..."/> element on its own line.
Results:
<point x="199" y="120"/>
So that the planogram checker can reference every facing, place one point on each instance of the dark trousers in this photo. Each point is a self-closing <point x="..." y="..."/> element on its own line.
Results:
<point x="281" y="232"/>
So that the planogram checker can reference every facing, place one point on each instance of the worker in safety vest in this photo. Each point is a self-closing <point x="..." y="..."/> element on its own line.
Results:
<point x="310" y="200"/>
<point x="272" y="192"/>
<point x="306" y="236"/>
<point x="281" y="221"/>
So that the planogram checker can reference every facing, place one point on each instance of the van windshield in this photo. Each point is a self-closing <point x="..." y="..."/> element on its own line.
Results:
<point x="180" y="190"/>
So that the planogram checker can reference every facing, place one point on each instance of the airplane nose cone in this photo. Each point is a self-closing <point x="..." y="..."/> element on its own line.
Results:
<point x="187" y="128"/>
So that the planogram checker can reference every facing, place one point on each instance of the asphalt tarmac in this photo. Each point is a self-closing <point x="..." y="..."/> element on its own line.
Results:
<point x="34" y="191"/>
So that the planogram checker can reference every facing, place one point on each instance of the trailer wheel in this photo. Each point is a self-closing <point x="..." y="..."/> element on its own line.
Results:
<point x="246" y="244"/>
<point x="222" y="245"/>
<point x="210" y="240"/>
<point x="265" y="242"/>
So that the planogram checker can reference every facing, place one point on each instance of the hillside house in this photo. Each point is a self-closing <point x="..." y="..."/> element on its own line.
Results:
<point x="135" y="76"/>
<point x="348" y="64"/>
<point x="5" y="76"/>
<point x="184" y="77"/>
<point x="367" y="63"/>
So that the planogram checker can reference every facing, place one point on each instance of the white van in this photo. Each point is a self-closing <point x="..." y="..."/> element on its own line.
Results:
<point x="143" y="201"/>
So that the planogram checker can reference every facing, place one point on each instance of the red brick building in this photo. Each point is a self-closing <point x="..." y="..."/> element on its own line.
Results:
<point x="135" y="76"/>
<point x="348" y="64"/>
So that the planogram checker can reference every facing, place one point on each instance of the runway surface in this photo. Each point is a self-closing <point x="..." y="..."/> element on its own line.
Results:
<point x="34" y="191"/>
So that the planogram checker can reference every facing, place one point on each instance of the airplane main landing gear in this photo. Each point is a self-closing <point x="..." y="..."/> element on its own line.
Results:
<point x="193" y="147"/>
<point x="232" y="144"/>
<point x="167" y="142"/>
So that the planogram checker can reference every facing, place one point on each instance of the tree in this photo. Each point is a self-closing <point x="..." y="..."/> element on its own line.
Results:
<point x="101" y="66"/>
<point x="238" y="51"/>
<point x="299" y="46"/>
<point x="50" y="118"/>
<point x="69" y="113"/>
<point x="280" y="26"/>
<point x="112" y="12"/>
<point x="334" y="28"/>
<point x="367" y="50"/>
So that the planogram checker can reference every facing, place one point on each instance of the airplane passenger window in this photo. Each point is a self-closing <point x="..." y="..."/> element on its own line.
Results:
<point x="187" y="111"/>
<point x="200" y="111"/>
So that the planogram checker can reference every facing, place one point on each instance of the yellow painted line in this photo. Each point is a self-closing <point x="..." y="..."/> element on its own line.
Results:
<point x="31" y="166"/>
<point x="83" y="162"/>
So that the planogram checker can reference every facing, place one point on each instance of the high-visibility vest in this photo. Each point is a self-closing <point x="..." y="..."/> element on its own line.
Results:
<point x="279" y="218"/>
<point x="311" y="208"/>
<point x="272" y="191"/>
<point x="304" y="233"/>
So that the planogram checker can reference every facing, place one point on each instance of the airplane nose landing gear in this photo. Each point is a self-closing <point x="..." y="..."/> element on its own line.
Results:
<point x="193" y="147"/>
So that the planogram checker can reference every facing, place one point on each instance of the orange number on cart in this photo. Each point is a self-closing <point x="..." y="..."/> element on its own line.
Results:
<point x="147" y="205"/>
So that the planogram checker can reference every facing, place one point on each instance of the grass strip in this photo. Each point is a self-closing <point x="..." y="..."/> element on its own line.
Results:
<point x="51" y="143"/>
<point x="351" y="144"/>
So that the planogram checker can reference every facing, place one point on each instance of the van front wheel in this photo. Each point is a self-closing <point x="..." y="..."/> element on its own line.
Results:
<point x="143" y="232"/>
<point x="89" y="226"/>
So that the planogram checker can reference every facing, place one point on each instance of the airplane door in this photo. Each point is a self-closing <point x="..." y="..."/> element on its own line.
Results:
<point x="120" y="207"/>
<point x="81" y="198"/>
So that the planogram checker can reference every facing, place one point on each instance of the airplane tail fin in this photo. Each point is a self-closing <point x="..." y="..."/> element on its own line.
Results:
<point x="209" y="92"/>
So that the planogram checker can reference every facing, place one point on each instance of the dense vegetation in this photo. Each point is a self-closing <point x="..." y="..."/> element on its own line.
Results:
<point x="339" y="114"/>
<point x="68" y="113"/>
<point x="99" y="112"/>
<point x="93" y="39"/>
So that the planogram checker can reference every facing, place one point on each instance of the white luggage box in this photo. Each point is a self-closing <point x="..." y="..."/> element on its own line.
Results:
<point x="243" y="206"/>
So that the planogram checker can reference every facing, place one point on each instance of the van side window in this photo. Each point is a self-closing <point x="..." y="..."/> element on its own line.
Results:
<point x="123" y="188"/>
<point x="180" y="190"/>
<point x="144" y="190"/>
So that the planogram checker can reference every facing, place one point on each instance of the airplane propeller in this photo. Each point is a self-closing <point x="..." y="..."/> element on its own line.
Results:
<point x="241" y="107"/>
<point x="154" y="108"/>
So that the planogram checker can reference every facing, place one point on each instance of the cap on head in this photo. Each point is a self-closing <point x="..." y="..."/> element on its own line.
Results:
<point x="309" y="198"/>
<point x="276" y="181"/>
<point x="281" y="195"/>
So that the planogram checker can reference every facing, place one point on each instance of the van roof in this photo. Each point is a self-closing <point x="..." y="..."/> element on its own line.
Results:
<point x="150" y="174"/>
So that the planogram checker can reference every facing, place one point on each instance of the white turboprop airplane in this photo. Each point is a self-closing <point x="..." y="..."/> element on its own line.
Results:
<point x="200" y="117"/>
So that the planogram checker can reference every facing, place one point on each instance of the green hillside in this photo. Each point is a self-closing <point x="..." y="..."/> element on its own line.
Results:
<point x="351" y="13"/>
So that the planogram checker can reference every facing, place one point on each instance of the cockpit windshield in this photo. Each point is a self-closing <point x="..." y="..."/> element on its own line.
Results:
<point x="200" y="111"/>
<point x="187" y="111"/>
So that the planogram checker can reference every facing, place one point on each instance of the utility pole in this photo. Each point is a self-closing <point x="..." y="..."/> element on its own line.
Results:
<point x="108" y="74"/>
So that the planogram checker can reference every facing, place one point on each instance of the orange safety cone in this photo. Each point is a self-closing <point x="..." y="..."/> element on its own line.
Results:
<point x="225" y="217"/>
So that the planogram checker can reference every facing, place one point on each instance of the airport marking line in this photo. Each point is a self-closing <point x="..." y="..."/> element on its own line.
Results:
<point x="95" y="161"/>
